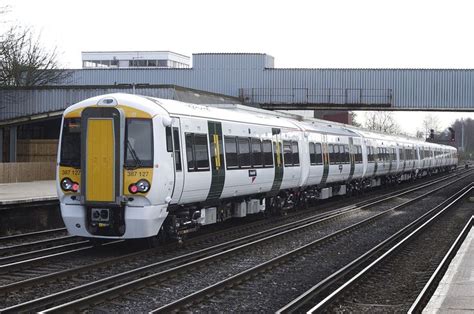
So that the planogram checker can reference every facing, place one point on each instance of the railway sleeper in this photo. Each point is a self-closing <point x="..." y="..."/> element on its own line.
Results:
<point x="183" y="220"/>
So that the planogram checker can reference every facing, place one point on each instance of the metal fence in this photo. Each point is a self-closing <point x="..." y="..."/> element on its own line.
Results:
<point x="310" y="96"/>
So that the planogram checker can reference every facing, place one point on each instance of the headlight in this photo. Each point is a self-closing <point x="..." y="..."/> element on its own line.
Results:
<point x="68" y="185"/>
<point x="142" y="186"/>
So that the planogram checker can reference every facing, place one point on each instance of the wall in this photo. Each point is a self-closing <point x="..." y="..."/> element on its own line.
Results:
<point x="35" y="150"/>
<point x="27" y="171"/>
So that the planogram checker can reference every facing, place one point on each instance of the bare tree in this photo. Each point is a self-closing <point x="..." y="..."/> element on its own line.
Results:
<point x="430" y="122"/>
<point x="24" y="62"/>
<point x="382" y="121"/>
<point x="468" y="126"/>
<point x="420" y="134"/>
<point x="354" y="121"/>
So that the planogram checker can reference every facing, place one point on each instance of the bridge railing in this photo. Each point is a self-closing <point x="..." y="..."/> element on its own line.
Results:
<point x="321" y="96"/>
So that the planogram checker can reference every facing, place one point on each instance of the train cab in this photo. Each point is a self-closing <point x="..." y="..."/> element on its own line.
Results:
<point x="108" y="171"/>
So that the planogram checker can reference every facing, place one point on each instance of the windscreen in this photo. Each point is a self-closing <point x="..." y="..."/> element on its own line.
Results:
<point x="71" y="143"/>
<point x="139" y="143"/>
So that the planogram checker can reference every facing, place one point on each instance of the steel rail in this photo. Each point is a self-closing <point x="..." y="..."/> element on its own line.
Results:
<point x="143" y="269"/>
<point x="7" y="260"/>
<point x="412" y="230"/>
<point x="70" y="272"/>
<point x="243" y="276"/>
<point x="185" y="260"/>
<point x="30" y="234"/>
<point x="12" y="248"/>
<point x="7" y="267"/>
<point x="174" y="271"/>
<point x="360" y="205"/>
<point x="430" y="287"/>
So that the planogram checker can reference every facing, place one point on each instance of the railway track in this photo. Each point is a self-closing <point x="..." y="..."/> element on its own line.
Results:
<point x="235" y="286"/>
<point x="430" y="287"/>
<point x="30" y="236"/>
<point x="165" y="270"/>
<point x="35" y="265"/>
<point x="404" y="262"/>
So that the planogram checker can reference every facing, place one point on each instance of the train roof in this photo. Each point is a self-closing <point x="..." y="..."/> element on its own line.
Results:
<point x="226" y="113"/>
<point x="246" y="114"/>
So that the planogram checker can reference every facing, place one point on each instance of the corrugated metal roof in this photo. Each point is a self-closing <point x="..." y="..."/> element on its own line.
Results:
<point x="250" y="76"/>
<point x="27" y="102"/>
<point x="411" y="89"/>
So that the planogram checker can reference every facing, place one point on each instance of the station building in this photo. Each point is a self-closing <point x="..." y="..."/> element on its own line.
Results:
<point x="134" y="59"/>
<point x="30" y="117"/>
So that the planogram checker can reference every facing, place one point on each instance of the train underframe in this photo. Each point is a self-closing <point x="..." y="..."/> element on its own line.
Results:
<point x="183" y="220"/>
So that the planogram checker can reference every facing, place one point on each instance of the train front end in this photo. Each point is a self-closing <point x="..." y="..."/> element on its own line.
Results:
<point x="107" y="168"/>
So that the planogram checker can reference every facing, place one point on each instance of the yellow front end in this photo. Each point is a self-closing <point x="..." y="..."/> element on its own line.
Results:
<point x="105" y="173"/>
<point x="100" y="161"/>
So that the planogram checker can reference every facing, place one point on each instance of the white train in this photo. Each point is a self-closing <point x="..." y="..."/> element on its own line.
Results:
<point x="135" y="167"/>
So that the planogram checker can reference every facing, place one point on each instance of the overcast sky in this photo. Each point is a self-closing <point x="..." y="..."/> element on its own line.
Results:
<point x="299" y="34"/>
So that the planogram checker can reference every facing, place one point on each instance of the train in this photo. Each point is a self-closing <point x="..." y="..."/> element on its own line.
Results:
<point x="132" y="166"/>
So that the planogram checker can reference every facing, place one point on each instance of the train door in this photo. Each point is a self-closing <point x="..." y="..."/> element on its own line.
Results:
<point x="101" y="178"/>
<point x="326" y="160"/>
<point x="404" y="156"/>
<point x="178" y="161"/>
<point x="351" y="158"/>
<point x="277" y="153"/>
<point x="217" y="160"/>
<point x="376" y="159"/>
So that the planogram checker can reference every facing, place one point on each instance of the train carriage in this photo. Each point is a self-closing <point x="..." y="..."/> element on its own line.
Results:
<point x="136" y="167"/>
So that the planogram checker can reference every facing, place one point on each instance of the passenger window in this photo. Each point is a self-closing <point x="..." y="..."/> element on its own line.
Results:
<point x="337" y="158"/>
<point x="267" y="153"/>
<point x="257" y="156"/>
<point x="296" y="154"/>
<point x="332" y="157"/>
<point x="201" y="152"/>
<point x="287" y="154"/>
<point x="169" y="141"/>
<point x="197" y="152"/>
<point x="231" y="152"/>
<point x="177" y="149"/>
<point x="244" y="152"/>
<point x="189" y="151"/>
<point x="312" y="154"/>
<point x="319" y="155"/>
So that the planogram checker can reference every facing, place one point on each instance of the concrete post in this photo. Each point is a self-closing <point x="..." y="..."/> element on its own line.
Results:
<point x="13" y="139"/>
<point x="1" y="145"/>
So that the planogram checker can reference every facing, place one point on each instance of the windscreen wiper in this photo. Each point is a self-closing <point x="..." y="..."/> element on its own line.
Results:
<point x="132" y="151"/>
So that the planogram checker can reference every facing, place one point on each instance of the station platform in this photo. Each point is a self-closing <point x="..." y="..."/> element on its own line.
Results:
<point x="27" y="192"/>
<point x="455" y="292"/>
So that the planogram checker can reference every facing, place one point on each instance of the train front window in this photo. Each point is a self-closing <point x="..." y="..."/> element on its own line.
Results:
<point x="71" y="143"/>
<point x="138" y="143"/>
